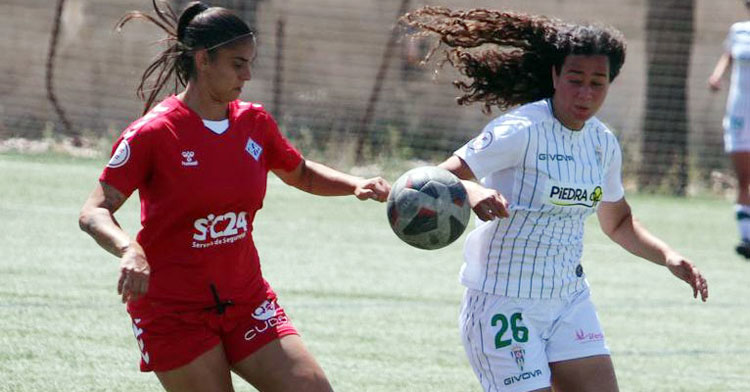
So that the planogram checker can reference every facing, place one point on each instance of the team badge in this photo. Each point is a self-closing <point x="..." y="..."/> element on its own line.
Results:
<point x="517" y="352"/>
<point x="121" y="155"/>
<point x="481" y="142"/>
<point x="253" y="148"/>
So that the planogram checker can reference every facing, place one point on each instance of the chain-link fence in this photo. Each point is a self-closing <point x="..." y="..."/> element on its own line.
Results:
<point x="338" y="78"/>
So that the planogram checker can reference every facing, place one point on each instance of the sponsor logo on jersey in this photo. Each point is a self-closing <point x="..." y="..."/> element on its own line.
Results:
<point x="481" y="142"/>
<point x="569" y="195"/>
<point x="187" y="158"/>
<point x="121" y="155"/>
<point x="585" y="337"/>
<point x="518" y="353"/>
<point x="556" y="157"/>
<point x="219" y="229"/>
<point x="253" y="148"/>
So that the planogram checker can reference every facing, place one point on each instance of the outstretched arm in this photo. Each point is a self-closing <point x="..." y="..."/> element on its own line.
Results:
<point x="617" y="221"/>
<point x="318" y="179"/>
<point x="487" y="203"/>
<point x="97" y="219"/>
<point x="714" y="81"/>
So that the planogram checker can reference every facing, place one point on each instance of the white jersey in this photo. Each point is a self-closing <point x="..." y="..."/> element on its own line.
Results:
<point x="736" y="120"/>
<point x="553" y="178"/>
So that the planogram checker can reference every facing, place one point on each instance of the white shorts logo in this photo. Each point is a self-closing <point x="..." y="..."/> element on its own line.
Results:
<point x="265" y="311"/>
<point x="121" y="155"/>
<point x="138" y="332"/>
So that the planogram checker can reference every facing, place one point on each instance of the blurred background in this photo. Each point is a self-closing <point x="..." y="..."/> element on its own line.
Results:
<point x="348" y="87"/>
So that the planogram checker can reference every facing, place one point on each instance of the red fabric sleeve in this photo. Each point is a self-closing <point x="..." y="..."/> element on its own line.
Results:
<point x="130" y="164"/>
<point x="282" y="154"/>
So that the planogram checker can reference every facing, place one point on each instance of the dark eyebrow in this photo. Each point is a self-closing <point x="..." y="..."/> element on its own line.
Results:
<point x="573" y="71"/>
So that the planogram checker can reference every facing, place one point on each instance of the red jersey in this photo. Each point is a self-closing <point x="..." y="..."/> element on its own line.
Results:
<point x="199" y="193"/>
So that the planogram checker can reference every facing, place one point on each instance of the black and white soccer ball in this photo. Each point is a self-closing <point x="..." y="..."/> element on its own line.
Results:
<point x="428" y="207"/>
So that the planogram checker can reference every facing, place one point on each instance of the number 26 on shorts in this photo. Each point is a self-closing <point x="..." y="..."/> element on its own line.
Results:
<point x="518" y="332"/>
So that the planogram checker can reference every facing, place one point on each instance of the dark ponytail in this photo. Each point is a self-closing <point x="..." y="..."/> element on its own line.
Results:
<point x="187" y="16"/>
<point x="198" y="27"/>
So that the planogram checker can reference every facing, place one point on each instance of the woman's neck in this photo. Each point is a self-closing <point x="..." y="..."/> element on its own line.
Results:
<point x="566" y="121"/>
<point x="203" y="104"/>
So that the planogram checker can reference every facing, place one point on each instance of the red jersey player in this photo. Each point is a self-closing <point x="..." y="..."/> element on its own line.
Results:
<point x="191" y="278"/>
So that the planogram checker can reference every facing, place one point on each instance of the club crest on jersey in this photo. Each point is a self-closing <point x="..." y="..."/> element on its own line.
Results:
<point x="121" y="155"/>
<point x="573" y="195"/>
<point x="187" y="158"/>
<point x="253" y="148"/>
<point x="518" y="354"/>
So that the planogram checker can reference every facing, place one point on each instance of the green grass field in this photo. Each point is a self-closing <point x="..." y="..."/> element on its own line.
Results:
<point x="378" y="314"/>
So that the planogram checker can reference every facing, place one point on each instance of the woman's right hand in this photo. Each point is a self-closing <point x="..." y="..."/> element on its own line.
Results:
<point x="487" y="203"/>
<point x="714" y="83"/>
<point x="134" y="273"/>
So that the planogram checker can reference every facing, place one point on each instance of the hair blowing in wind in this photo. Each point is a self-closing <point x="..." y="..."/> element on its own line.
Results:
<point x="513" y="65"/>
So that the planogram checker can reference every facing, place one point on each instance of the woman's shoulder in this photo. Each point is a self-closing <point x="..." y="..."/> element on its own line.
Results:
<point x="244" y="109"/>
<point x="157" y="119"/>
<point x="740" y="27"/>
<point x="601" y="129"/>
<point x="525" y="115"/>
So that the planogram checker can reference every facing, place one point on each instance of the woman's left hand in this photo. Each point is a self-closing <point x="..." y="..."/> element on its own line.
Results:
<point x="685" y="270"/>
<point x="375" y="188"/>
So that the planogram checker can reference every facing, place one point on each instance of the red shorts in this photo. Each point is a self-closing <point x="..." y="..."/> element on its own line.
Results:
<point x="170" y="340"/>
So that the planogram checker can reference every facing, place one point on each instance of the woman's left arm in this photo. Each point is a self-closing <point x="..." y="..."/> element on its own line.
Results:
<point x="618" y="223"/>
<point x="319" y="179"/>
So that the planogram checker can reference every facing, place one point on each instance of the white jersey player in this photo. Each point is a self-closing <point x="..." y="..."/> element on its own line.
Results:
<point x="527" y="321"/>
<point x="737" y="120"/>
<point x="553" y="179"/>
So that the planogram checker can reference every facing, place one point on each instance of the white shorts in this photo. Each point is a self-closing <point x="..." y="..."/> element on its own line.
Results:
<point x="736" y="133"/>
<point x="511" y="341"/>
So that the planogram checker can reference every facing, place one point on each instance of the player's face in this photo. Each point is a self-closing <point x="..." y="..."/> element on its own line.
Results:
<point x="580" y="88"/>
<point x="227" y="72"/>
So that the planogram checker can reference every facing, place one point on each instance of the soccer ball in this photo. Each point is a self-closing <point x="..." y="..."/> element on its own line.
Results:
<point x="428" y="207"/>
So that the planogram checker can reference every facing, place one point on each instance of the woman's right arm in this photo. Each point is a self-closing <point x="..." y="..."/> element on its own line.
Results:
<point x="714" y="81"/>
<point x="97" y="219"/>
<point x="487" y="203"/>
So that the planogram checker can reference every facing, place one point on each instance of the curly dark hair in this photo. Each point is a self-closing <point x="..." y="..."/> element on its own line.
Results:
<point x="517" y="69"/>
<point x="197" y="27"/>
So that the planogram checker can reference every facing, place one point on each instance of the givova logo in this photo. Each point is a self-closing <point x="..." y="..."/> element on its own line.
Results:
<point x="522" y="377"/>
<point x="556" y="157"/>
<point x="569" y="195"/>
